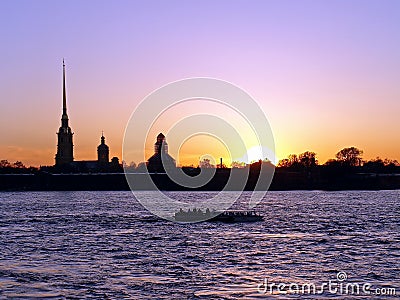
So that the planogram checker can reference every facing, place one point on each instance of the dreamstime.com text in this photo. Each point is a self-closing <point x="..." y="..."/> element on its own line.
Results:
<point x="339" y="286"/>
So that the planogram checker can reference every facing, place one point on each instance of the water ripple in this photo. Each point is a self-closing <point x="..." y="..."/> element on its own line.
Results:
<point x="104" y="245"/>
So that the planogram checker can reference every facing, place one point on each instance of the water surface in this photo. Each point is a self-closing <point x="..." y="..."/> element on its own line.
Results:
<point x="60" y="245"/>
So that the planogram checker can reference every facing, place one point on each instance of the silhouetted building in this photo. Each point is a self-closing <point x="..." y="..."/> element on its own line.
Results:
<point x="64" y="157"/>
<point x="65" y="147"/>
<point x="103" y="152"/>
<point x="160" y="160"/>
<point x="102" y="164"/>
<point x="115" y="162"/>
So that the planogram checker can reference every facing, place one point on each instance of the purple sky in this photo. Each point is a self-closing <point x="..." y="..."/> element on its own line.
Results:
<point x="326" y="73"/>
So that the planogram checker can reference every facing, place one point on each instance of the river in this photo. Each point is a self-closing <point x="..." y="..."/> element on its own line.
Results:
<point x="105" y="245"/>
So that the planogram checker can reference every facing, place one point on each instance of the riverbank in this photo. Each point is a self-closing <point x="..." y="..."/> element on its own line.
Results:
<point x="282" y="181"/>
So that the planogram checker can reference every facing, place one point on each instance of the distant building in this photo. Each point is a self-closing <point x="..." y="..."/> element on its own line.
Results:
<point x="103" y="152"/>
<point x="160" y="160"/>
<point x="102" y="164"/>
<point x="64" y="160"/>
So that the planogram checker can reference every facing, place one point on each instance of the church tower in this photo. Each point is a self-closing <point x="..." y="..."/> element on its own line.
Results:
<point x="103" y="151"/>
<point x="160" y="160"/>
<point x="65" y="146"/>
<point x="160" y="145"/>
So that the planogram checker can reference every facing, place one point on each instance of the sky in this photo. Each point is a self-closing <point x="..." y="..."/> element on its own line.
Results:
<point x="325" y="73"/>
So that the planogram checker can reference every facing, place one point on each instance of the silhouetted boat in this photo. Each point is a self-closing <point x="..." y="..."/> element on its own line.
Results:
<point x="228" y="216"/>
<point x="238" y="216"/>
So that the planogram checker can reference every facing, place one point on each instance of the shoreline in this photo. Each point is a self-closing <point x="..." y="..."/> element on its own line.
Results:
<point x="118" y="182"/>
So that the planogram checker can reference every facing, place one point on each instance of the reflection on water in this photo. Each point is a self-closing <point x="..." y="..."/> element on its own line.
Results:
<point x="106" y="245"/>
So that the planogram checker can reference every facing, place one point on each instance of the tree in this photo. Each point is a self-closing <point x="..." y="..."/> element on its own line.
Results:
<point x="129" y="168"/>
<point x="391" y="163"/>
<point x="284" y="163"/>
<point x="291" y="161"/>
<point x="308" y="159"/>
<point x="206" y="164"/>
<point x="18" y="165"/>
<point x="350" y="156"/>
<point x="4" y="163"/>
<point x="238" y="164"/>
<point x="141" y="167"/>
<point x="379" y="165"/>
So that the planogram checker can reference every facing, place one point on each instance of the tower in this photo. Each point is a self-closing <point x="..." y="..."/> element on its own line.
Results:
<point x="103" y="151"/>
<point x="161" y="160"/>
<point x="65" y="146"/>
<point x="161" y="144"/>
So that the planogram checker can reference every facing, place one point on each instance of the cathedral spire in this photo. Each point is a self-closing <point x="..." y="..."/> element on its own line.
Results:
<point x="64" y="117"/>
<point x="65" y="150"/>
<point x="64" y="92"/>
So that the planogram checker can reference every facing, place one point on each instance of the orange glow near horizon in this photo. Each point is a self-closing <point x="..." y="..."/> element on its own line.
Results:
<point x="232" y="144"/>
<point x="40" y="148"/>
<point x="212" y="149"/>
<point x="85" y="149"/>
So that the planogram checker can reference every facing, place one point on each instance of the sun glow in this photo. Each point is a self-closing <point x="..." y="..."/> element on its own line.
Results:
<point x="238" y="142"/>
<point x="199" y="147"/>
<point x="257" y="153"/>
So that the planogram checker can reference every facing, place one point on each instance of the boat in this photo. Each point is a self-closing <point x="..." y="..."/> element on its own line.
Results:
<point x="238" y="216"/>
<point x="194" y="215"/>
<point x="227" y="216"/>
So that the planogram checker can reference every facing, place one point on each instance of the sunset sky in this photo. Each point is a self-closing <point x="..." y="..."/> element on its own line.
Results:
<point x="326" y="73"/>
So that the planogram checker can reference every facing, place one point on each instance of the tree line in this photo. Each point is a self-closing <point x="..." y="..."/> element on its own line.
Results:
<point x="347" y="159"/>
<point x="16" y="168"/>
